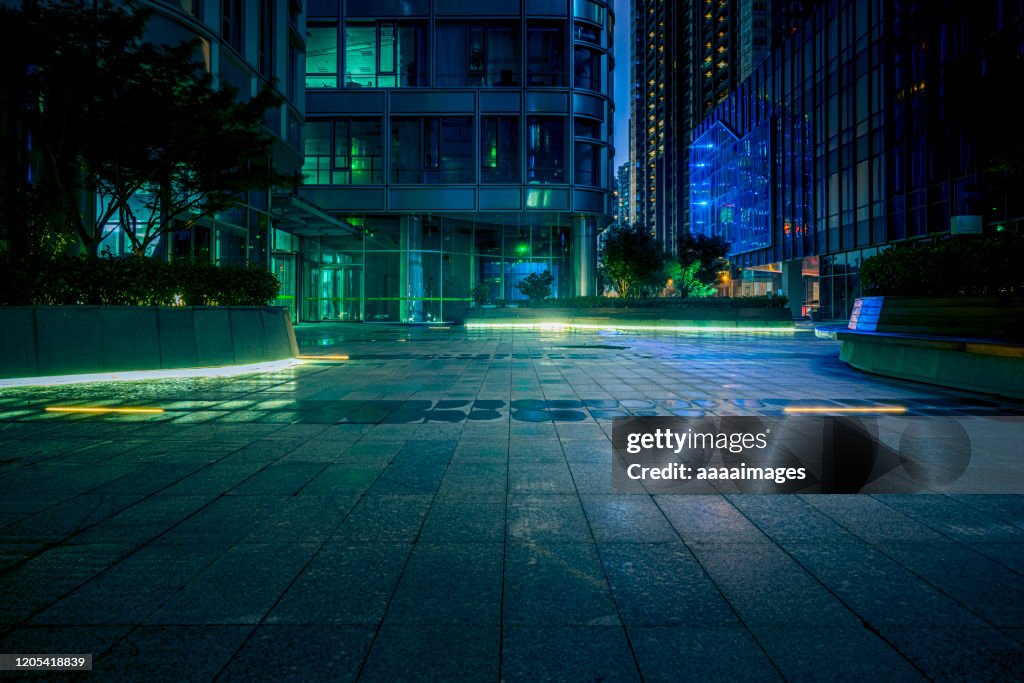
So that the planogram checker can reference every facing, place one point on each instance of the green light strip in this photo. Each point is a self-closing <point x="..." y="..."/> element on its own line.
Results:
<point x="556" y="326"/>
<point x="381" y="298"/>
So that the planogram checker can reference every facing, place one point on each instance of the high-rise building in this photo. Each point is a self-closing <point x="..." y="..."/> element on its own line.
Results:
<point x="686" y="57"/>
<point x="624" y="196"/>
<point x="449" y="144"/>
<point x="874" y="124"/>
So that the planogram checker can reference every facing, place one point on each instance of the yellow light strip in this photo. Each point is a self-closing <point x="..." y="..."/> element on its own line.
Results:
<point x="631" y="328"/>
<point x="78" y="409"/>
<point x="840" y="409"/>
<point x="328" y="357"/>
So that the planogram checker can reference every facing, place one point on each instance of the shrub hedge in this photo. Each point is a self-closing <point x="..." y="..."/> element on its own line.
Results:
<point x="133" y="281"/>
<point x="666" y="302"/>
<point x="968" y="266"/>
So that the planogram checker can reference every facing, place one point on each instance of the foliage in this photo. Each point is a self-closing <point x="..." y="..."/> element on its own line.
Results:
<point x="665" y="302"/>
<point x="137" y="124"/>
<point x="701" y="258"/>
<point x="481" y="294"/>
<point x="134" y="281"/>
<point x="58" y="59"/>
<point x="536" y="286"/>
<point x="970" y="266"/>
<point x="633" y="260"/>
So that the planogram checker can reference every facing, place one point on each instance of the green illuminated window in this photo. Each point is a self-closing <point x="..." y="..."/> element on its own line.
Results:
<point x="322" y="56"/>
<point x="386" y="55"/>
<point x="499" y="149"/>
<point x="344" y="152"/>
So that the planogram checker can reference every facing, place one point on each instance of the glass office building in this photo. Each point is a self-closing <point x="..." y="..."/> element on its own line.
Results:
<point x="245" y="45"/>
<point x="849" y="138"/>
<point x="448" y="144"/>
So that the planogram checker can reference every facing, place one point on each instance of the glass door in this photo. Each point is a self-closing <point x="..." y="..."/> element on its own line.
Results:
<point x="283" y="266"/>
<point x="341" y="289"/>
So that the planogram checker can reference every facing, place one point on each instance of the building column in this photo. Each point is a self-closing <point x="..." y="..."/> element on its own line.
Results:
<point x="584" y="258"/>
<point x="793" y="285"/>
<point x="411" y="305"/>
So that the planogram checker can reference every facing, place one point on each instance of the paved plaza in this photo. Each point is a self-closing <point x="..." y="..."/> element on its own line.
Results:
<point x="438" y="506"/>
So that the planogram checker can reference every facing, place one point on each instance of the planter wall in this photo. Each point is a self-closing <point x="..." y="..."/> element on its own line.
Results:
<point x="710" y="317"/>
<point x="39" y="341"/>
<point x="975" y="317"/>
<point x="969" y="343"/>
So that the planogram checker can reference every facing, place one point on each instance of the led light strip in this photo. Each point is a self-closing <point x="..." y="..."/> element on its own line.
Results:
<point x="79" y="409"/>
<point x="632" y="328"/>
<point x="328" y="357"/>
<point x="840" y="409"/>
<point x="137" y="375"/>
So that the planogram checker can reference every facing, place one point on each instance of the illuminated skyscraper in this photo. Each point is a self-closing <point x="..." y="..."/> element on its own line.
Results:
<point x="686" y="57"/>
<point x="625" y="197"/>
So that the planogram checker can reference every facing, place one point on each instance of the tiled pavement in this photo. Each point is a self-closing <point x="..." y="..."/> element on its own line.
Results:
<point x="439" y="507"/>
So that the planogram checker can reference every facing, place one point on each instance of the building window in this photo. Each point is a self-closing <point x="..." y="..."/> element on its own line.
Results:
<point x="231" y="23"/>
<point x="322" y="56"/>
<point x="545" y="54"/>
<point x="292" y="73"/>
<point x="589" y="10"/>
<point x="588" y="33"/>
<point x="193" y="7"/>
<point x="499" y="149"/>
<point x="587" y="168"/>
<point x="545" y="150"/>
<point x="477" y="54"/>
<point x="432" y="150"/>
<point x="316" y="167"/>
<point x="345" y="151"/>
<point x="358" y="157"/>
<point x="588" y="128"/>
<point x="587" y="69"/>
<point x="386" y="55"/>
<point x="266" y="38"/>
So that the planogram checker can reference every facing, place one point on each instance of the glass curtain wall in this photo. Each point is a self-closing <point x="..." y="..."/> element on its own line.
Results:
<point x="423" y="269"/>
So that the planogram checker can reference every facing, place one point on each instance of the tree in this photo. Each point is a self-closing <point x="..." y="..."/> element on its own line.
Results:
<point x="198" y="148"/>
<point x="536" y="286"/>
<point x="138" y="125"/>
<point x="60" y="60"/>
<point x="633" y="260"/>
<point x="701" y="258"/>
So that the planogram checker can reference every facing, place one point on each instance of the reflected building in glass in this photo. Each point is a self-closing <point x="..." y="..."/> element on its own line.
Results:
<point x="448" y="144"/>
<point x="875" y="123"/>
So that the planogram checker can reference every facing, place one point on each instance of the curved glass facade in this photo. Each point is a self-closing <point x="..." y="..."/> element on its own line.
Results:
<point x="448" y="146"/>
<point x="245" y="46"/>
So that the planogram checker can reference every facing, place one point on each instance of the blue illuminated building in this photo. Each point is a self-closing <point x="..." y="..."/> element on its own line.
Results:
<point x="855" y="134"/>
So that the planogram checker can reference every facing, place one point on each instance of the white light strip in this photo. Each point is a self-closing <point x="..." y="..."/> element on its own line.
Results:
<point x="137" y="375"/>
<point x="630" y="328"/>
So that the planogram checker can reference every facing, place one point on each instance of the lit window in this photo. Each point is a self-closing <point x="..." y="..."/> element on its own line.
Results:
<point x="322" y="56"/>
<point x="385" y="55"/>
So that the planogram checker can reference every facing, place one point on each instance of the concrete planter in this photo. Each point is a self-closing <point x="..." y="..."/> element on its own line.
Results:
<point x="972" y="343"/>
<point x="40" y="341"/>
<point x="979" y="317"/>
<point x="667" y="317"/>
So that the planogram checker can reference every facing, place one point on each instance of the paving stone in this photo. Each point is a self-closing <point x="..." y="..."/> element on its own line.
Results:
<point x="564" y="653"/>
